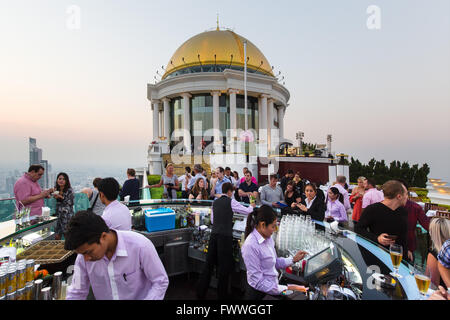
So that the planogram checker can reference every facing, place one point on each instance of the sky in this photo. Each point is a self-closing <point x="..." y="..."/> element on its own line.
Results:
<point x="81" y="92"/>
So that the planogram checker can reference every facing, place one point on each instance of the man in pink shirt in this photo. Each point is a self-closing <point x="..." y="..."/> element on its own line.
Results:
<point x="118" y="265"/>
<point x="372" y="195"/>
<point x="27" y="191"/>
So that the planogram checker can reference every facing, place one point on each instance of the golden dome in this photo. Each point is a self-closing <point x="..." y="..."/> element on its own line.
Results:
<point x="228" y="48"/>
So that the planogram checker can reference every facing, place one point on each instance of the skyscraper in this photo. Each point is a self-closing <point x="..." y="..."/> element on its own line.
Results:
<point x="36" y="158"/>
<point x="35" y="152"/>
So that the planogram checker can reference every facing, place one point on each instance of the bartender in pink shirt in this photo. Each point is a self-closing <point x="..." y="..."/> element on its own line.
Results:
<point x="28" y="191"/>
<point x="118" y="265"/>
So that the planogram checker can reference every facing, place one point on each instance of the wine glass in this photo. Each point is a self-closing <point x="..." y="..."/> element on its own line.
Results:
<point x="423" y="279"/>
<point x="396" y="252"/>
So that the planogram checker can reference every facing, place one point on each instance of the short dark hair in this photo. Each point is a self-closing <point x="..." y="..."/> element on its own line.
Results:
<point x="198" y="168"/>
<point x="392" y="188"/>
<point x="188" y="169"/>
<point x="221" y="170"/>
<point x="227" y="168"/>
<point x="227" y="186"/>
<point x="273" y="176"/>
<point x="371" y="181"/>
<point x="290" y="171"/>
<point x="84" y="227"/>
<point x="248" y="171"/>
<point x="96" y="182"/>
<point x="131" y="172"/>
<point x="110" y="188"/>
<point x="35" y="168"/>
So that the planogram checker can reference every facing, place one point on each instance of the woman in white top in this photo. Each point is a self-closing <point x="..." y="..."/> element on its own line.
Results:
<point x="170" y="182"/>
<point x="312" y="205"/>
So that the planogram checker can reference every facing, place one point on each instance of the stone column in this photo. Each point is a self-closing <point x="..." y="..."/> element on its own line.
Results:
<point x="217" y="141"/>
<point x="187" y="122"/>
<point x="281" y="111"/>
<point x="166" y="117"/>
<point x="270" y="117"/>
<point x="156" y="104"/>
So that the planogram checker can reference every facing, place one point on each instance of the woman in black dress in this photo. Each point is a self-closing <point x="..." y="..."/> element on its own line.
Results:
<point x="64" y="203"/>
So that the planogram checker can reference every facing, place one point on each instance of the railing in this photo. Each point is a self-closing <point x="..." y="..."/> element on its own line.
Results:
<point x="8" y="206"/>
<point x="81" y="202"/>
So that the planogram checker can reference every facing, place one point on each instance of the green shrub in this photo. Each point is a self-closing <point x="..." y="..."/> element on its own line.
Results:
<point x="153" y="179"/>
<point x="157" y="192"/>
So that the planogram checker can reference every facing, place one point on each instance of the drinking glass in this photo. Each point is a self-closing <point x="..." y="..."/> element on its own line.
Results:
<point x="396" y="252"/>
<point x="423" y="279"/>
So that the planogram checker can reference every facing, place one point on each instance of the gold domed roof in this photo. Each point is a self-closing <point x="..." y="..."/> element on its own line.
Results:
<point x="228" y="48"/>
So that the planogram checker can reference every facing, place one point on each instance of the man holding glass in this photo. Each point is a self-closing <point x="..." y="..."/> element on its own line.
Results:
<point x="28" y="193"/>
<point x="386" y="222"/>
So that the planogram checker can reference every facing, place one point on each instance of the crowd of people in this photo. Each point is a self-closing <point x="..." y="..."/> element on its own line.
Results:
<point x="102" y="234"/>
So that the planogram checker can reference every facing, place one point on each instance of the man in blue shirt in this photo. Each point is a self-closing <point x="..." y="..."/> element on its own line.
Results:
<point x="198" y="173"/>
<point x="216" y="189"/>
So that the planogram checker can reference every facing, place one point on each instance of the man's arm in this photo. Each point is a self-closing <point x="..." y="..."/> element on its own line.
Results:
<point x="239" y="208"/>
<point x="263" y="198"/>
<point x="154" y="271"/>
<point x="79" y="288"/>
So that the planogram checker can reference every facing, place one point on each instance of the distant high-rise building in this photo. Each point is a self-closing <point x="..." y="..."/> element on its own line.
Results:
<point x="36" y="158"/>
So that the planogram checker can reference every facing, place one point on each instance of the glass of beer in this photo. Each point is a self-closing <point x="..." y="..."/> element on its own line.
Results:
<point x="396" y="252"/>
<point x="423" y="279"/>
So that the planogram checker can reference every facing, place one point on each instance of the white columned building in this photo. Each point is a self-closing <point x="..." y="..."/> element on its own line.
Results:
<point x="204" y="83"/>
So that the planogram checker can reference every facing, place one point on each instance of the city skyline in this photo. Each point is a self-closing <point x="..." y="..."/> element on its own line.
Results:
<point x="82" y="93"/>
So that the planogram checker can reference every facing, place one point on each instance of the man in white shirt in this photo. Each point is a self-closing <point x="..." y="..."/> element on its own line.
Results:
<point x="184" y="180"/>
<point x="116" y="215"/>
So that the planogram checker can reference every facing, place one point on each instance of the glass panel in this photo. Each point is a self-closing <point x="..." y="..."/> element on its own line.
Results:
<point x="8" y="207"/>
<point x="252" y="112"/>
<point x="201" y="111"/>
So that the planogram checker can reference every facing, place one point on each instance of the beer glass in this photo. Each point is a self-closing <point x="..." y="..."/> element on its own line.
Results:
<point x="423" y="279"/>
<point x="396" y="252"/>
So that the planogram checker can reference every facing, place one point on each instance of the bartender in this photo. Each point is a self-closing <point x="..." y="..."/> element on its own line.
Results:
<point x="220" y="248"/>
<point x="118" y="265"/>
<point x="27" y="191"/>
<point x="260" y="257"/>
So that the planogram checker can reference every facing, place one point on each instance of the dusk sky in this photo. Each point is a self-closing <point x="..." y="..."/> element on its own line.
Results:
<point x="81" y="92"/>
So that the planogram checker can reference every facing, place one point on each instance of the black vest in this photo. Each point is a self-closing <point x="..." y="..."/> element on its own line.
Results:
<point x="223" y="217"/>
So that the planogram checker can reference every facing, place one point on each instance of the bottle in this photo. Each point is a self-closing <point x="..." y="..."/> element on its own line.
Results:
<point x="2" y="284"/>
<point x="30" y="270"/>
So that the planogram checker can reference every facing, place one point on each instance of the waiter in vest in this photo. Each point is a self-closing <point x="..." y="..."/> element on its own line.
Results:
<point x="220" y="249"/>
